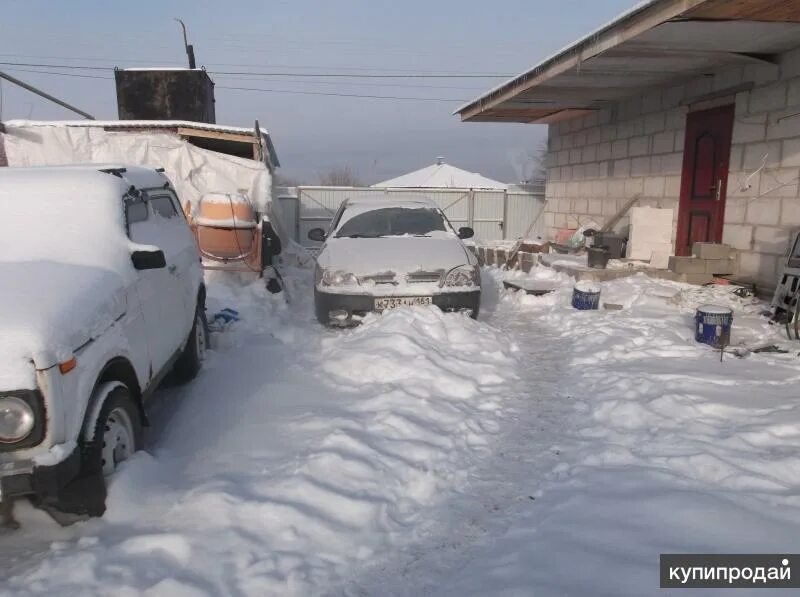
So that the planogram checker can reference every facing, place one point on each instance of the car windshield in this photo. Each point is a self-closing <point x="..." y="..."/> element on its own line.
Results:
<point x="392" y="221"/>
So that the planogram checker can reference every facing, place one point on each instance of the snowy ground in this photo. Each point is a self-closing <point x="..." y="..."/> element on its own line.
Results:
<point x="538" y="451"/>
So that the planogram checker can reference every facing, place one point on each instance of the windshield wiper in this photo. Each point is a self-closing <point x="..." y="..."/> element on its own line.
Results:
<point x="360" y="236"/>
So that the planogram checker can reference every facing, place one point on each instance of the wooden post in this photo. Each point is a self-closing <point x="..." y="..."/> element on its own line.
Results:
<point x="258" y="150"/>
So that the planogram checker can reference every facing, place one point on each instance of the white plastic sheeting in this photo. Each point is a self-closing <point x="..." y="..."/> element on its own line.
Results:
<point x="193" y="171"/>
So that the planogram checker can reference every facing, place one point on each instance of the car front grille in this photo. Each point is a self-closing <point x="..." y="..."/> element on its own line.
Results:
<point x="384" y="278"/>
<point x="424" y="277"/>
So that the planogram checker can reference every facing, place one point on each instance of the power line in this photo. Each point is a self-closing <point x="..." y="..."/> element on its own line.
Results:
<point x="234" y="78"/>
<point x="49" y="72"/>
<point x="285" y="91"/>
<point x="277" y="74"/>
<point x="351" y="83"/>
<point x="44" y="72"/>
<point x="251" y="65"/>
<point x="356" y="68"/>
<point x="64" y="66"/>
<point x="355" y="76"/>
<point x="392" y="97"/>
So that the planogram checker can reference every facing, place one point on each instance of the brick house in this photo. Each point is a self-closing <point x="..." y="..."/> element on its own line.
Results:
<point x="688" y="104"/>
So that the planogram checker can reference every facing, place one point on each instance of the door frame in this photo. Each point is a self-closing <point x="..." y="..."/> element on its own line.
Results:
<point x="684" y="203"/>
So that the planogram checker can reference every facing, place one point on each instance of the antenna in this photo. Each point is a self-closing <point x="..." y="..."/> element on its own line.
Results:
<point x="189" y="47"/>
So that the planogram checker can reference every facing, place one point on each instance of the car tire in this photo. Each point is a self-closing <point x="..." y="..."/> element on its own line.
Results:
<point x="116" y="435"/>
<point x="190" y="362"/>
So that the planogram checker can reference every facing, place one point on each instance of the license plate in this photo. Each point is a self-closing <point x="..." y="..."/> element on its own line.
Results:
<point x="392" y="302"/>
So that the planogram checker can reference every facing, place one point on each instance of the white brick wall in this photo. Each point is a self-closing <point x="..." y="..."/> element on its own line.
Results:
<point x="635" y="147"/>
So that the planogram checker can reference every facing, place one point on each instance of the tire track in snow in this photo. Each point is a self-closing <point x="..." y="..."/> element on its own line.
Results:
<point x="534" y="430"/>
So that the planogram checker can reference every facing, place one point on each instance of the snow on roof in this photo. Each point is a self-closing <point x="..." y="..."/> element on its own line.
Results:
<point x="156" y="124"/>
<point x="442" y="176"/>
<point x="139" y="124"/>
<point x="156" y="68"/>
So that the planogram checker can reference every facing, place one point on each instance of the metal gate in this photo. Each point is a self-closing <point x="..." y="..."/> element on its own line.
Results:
<point x="493" y="214"/>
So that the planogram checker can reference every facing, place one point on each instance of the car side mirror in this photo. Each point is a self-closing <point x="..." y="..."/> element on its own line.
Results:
<point x="317" y="235"/>
<point x="465" y="232"/>
<point x="149" y="259"/>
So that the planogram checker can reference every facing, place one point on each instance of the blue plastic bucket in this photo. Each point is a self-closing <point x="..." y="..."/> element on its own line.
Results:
<point x="713" y="325"/>
<point x="585" y="300"/>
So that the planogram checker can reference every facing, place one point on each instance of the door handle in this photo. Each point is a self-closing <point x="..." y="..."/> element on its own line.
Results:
<point x="717" y="188"/>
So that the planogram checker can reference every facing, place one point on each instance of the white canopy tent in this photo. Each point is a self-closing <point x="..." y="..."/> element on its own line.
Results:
<point x="442" y="176"/>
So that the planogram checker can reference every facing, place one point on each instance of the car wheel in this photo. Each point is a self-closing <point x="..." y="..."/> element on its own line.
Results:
<point x="117" y="434"/>
<point x="190" y="362"/>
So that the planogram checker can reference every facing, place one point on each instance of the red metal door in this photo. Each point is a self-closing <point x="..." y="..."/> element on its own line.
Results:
<point x="704" y="177"/>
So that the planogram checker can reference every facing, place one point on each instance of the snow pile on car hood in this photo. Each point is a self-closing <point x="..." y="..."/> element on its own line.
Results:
<point x="49" y="311"/>
<point x="398" y="254"/>
<point x="64" y="258"/>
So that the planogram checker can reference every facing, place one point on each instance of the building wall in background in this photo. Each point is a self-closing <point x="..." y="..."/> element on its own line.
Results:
<point x="635" y="147"/>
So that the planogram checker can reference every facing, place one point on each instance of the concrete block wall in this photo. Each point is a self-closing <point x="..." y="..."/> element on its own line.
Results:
<point x="635" y="147"/>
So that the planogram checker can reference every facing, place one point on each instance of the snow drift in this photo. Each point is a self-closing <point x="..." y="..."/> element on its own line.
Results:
<point x="297" y="455"/>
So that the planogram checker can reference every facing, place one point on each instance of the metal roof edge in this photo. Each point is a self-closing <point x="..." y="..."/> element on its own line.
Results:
<point x="493" y="95"/>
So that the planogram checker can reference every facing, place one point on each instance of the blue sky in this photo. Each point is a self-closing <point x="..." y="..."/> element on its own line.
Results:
<point x="377" y="138"/>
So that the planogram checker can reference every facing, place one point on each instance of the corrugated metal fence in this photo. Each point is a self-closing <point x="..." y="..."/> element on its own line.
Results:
<point x="493" y="214"/>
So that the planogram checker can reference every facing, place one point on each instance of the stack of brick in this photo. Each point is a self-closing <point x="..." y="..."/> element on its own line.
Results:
<point x="707" y="260"/>
<point x="526" y="257"/>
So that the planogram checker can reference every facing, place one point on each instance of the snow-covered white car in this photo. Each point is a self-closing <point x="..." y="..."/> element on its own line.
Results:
<point x="102" y="295"/>
<point x="384" y="253"/>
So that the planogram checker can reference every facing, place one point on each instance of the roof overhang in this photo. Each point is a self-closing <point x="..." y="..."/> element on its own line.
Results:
<point x="657" y="43"/>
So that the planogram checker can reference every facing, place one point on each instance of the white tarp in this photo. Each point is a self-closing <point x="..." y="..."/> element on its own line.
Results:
<point x="193" y="171"/>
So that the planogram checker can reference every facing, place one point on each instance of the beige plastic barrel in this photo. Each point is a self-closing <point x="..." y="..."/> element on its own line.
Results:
<point x="226" y="227"/>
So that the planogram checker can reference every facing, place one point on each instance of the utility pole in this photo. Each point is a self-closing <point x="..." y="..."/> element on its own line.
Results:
<point x="189" y="47"/>
<point x="46" y="96"/>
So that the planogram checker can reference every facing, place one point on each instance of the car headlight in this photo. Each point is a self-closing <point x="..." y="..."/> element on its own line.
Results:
<point x="464" y="275"/>
<point x="338" y="278"/>
<point x="16" y="419"/>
